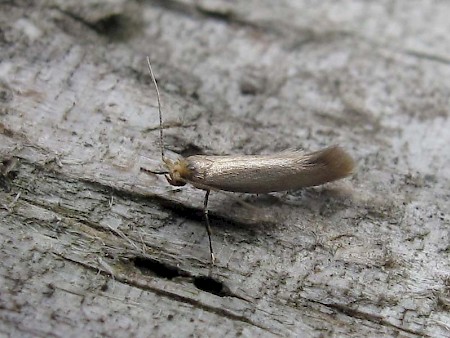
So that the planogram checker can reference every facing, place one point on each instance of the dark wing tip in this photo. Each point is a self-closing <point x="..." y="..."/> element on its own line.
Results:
<point x="332" y="163"/>
<point x="339" y="161"/>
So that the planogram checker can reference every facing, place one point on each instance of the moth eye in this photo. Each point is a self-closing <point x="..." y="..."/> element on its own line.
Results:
<point x="174" y="181"/>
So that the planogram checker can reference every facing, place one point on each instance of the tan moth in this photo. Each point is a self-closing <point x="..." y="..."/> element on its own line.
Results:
<point x="255" y="174"/>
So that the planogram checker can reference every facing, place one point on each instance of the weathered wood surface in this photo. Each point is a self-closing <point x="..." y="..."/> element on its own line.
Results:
<point x="92" y="246"/>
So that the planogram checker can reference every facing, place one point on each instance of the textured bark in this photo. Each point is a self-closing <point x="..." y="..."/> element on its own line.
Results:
<point x="91" y="245"/>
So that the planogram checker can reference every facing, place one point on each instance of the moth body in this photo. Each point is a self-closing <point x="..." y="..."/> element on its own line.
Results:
<point x="290" y="170"/>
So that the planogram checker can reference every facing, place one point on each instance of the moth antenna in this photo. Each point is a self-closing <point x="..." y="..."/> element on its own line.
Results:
<point x="161" y="139"/>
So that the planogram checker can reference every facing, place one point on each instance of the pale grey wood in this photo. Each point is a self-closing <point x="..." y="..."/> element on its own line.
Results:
<point x="90" y="245"/>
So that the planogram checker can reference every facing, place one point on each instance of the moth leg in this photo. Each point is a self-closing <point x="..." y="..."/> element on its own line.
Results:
<point x="208" y="226"/>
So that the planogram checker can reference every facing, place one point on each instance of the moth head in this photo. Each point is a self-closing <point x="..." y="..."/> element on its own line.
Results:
<point x="178" y="172"/>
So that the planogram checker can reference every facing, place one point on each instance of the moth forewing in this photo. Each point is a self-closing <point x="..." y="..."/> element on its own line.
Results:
<point x="269" y="173"/>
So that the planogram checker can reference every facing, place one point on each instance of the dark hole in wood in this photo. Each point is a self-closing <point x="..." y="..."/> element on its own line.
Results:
<point x="117" y="27"/>
<point x="109" y="25"/>
<point x="211" y="285"/>
<point x="8" y="173"/>
<point x="151" y="266"/>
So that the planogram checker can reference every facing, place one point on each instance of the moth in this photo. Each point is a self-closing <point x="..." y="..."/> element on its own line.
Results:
<point x="254" y="174"/>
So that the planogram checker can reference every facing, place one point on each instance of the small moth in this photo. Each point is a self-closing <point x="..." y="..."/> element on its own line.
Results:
<point x="255" y="174"/>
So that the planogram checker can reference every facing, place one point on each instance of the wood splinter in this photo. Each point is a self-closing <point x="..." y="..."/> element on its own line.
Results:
<point x="254" y="174"/>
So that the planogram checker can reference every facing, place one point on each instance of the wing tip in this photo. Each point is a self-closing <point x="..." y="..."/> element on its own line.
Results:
<point x="335" y="162"/>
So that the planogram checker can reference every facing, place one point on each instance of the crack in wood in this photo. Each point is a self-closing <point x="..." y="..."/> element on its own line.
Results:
<point x="366" y="316"/>
<point x="143" y="285"/>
